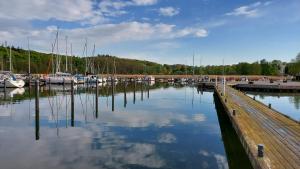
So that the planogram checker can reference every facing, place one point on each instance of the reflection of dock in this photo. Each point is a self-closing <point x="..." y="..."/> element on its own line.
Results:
<point x="259" y="126"/>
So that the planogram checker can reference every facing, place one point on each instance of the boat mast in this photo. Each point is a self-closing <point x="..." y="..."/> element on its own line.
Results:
<point x="71" y="59"/>
<point x="57" y="53"/>
<point x="86" y="59"/>
<point x="114" y="71"/>
<point x="2" y="64"/>
<point x="66" y="53"/>
<point x="10" y="66"/>
<point x="29" y="72"/>
<point x="193" y="64"/>
<point x="92" y="64"/>
<point x="52" y="57"/>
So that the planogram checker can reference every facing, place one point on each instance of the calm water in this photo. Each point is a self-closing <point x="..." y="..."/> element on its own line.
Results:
<point x="142" y="126"/>
<point x="288" y="104"/>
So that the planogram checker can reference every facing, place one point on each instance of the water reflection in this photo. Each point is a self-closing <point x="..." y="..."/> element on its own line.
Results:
<point x="170" y="129"/>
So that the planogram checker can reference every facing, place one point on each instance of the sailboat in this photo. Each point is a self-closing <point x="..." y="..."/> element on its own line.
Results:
<point x="8" y="79"/>
<point x="60" y="77"/>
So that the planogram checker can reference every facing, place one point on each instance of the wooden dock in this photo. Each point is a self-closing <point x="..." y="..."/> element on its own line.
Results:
<point x="257" y="124"/>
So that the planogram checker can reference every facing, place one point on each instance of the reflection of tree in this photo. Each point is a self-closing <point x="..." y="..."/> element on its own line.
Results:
<point x="261" y="96"/>
<point x="296" y="101"/>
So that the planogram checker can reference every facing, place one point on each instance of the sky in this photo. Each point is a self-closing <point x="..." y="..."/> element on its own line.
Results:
<point x="164" y="31"/>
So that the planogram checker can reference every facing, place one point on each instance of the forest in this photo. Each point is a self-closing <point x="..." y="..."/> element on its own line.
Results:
<point x="46" y="63"/>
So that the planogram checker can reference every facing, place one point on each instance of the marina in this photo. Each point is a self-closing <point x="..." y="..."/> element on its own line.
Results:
<point x="149" y="84"/>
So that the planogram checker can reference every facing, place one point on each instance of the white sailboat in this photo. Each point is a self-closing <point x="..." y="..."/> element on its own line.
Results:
<point x="8" y="79"/>
<point x="60" y="77"/>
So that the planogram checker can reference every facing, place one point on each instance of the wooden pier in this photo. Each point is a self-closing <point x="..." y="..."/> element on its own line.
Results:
<point x="258" y="125"/>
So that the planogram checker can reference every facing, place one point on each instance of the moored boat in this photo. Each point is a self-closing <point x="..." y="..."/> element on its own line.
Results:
<point x="60" y="78"/>
<point x="9" y="80"/>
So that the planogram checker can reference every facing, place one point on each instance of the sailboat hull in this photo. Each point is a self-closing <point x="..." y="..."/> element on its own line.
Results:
<point x="59" y="80"/>
<point x="12" y="83"/>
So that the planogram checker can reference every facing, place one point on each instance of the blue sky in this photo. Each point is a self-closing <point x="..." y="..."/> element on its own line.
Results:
<point x="165" y="31"/>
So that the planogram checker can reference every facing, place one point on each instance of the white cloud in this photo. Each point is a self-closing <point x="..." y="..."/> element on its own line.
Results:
<point x="168" y="11"/>
<point x="251" y="11"/>
<point x="145" y="2"/>
<point x="116" y="7"/>
<point x="82" y="11"/>
<point x="68" y="10"/>
<point x="104" y="34"/>
<point x="220" y="159"/>
<point x="167" y="138"/>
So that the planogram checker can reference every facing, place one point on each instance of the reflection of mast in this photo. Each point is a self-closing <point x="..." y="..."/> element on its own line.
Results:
<point x="193" y="97"/>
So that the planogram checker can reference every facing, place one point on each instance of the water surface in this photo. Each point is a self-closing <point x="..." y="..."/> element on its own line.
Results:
<point x="134" y="126"/>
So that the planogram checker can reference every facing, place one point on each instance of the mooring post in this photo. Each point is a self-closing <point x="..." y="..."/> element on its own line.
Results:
<point x="37" y="111"/>
<point x="96" y="99"/>
<point x="254" y="98"/>
<point x="233" y="112"/>
<point x="72" y="103"/>
<point x="270" y="106"/>
<point x="113" y="95"/>
<point x="134" y="88"/>
<point x="225" y="100"/>
<point x="64" y="84"/>
<point x="5" y="85"/>
<point x="148" y="89"/>
<point x="125" y="96"/>
<point x="260" y="150"/>
<point x="142" y="91"/>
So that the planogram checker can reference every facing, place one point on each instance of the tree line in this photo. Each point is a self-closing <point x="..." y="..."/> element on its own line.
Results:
<point x="106" y="64"/>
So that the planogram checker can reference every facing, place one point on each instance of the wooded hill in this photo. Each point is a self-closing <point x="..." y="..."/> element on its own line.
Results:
<point x="44" y="63"/>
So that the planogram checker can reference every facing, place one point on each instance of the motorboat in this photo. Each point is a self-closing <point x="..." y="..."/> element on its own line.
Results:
<point x="149" y="78"/>
<point x="80" y="78"/>
<point x="93" y="79"/>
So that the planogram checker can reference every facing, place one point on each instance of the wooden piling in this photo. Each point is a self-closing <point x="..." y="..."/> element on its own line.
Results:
<point x="72" y="104"/>
<point x="134" y="89"/>
<point x="113" y="94"/>
<point x="142" y="91"/>
<point x="96" y="99"/>
<point x="37" y="111"/>
<point x="125" y="95"/>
